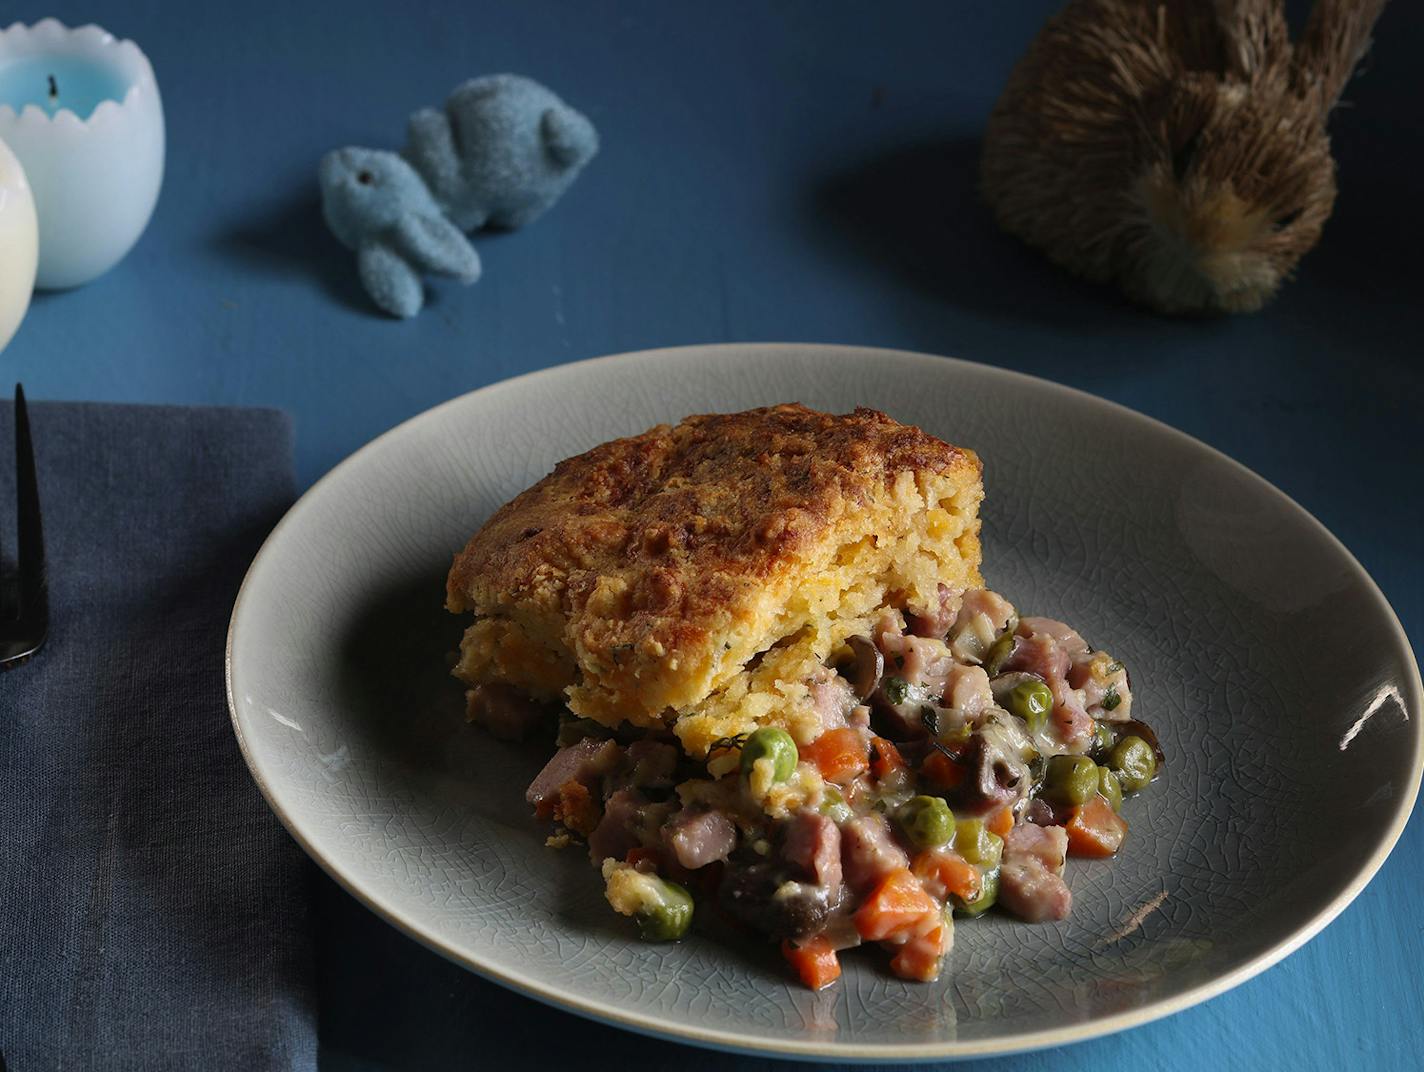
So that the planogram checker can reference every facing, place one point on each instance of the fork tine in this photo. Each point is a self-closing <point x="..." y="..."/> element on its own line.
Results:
<point x="34" y="599"/>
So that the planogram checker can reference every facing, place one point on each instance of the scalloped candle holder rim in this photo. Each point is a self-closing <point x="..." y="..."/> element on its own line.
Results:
<point x="135" y="69"/>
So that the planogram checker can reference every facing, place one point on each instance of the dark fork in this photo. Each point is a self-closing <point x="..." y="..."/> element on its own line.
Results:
<point x="23" y="632"/>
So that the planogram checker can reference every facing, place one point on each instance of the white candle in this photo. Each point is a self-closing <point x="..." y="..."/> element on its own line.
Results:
<point x="19" y="244"/>
<point x="82" y="113"/>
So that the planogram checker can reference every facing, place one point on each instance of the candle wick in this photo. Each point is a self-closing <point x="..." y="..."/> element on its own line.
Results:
<point x="53" y="89"/>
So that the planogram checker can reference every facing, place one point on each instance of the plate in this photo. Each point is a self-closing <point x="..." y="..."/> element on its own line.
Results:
<point x="1272" y="668"/>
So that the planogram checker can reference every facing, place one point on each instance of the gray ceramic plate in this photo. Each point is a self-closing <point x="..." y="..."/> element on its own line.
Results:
<point x="1222" y="596"/>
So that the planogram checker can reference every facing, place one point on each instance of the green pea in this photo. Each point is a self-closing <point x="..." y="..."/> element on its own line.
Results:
<point x="774" y="744"/>
<point x="1110" y="788"/>
<point x="927" y="821"/>
<point x="999" y="654"/>
<point x="1102" y="736"/>
<point x="977" y="844"/>
<point x="834" y="806"/>
<point x="988" y="894"/>
<point x="1071" y="779"/>
<point x="669" y="919"/>
<point x="1134" y="762"/>
<point x="1031" y="701"/>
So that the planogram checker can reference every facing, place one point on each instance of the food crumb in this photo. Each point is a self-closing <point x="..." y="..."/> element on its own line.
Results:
<point x="575" y="808"/>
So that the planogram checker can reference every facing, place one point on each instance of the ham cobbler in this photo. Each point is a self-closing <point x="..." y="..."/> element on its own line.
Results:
<point x="781" y="693"/>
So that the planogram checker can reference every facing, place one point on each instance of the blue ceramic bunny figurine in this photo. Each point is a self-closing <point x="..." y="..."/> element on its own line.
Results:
<point x="499" y="154"/>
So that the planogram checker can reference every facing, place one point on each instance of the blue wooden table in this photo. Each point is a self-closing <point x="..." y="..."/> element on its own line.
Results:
<point x="799" y="172"/>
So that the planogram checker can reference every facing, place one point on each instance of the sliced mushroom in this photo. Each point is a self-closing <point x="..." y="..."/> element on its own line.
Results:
<point x="999" y="776"/>
<point x="767" y="898"/>
<point x="869" y="666"/>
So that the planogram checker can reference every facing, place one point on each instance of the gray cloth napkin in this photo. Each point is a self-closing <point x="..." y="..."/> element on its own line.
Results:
<point x="153" y="913"/>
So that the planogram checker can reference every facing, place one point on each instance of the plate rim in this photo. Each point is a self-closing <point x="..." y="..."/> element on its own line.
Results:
<point x="847" y="1050"/>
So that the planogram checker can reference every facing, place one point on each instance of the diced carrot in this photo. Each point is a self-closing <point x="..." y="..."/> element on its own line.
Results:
<point x="897" y="908"/>
<point x="1001" y="822"/>
<point x="1094" y="829"/>
<point x="920" y="958"/>
<point x="838" y="754"/>
<point x="885" y="758"/>
<point x="949" y="870"/>
<point x="941" y="771"/>
<point x="814" y="960"/>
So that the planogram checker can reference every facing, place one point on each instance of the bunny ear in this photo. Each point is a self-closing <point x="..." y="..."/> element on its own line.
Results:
<point x="391" y="282"/>
<point x="568" y="136"/>
<point x="434" y="244"/>
<point x="1239" y="39"/>
<point x="1254" y="35"/>
<point x="1336" y="38"/>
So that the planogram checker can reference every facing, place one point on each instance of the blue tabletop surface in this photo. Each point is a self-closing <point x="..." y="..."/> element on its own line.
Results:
<point x="803" y="172"/>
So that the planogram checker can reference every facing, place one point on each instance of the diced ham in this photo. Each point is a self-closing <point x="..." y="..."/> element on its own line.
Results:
<point x="505" y="712"/>
<point x="869" y="852"/>
<point x="653" y="763"/>
<point x="813" y="844"/>
<point x="1033" y="893"/>
<point x="1046" y="844"/>
<point x="1074" y="724"/>
<point x="916" y="670"/>
<point x="832" y="699"/>
<point x="983" y="615"/>
<point x="1066" y="636"/>
<point x="967" y="690"/>
<point x="988" y="603"/>
<point x="697" y="838"/>
<point x="617" y="831"/>
<point x="1080" y="677"/>
<point x="1045" y="649"/>
<point x="1095" y="678"/>
<point x="1031" y="885"/>
<point x="937" y="621"/>
<point x="922" y="663"/>
<point x="586" y="762"/>
<point x="1038" y="653"/>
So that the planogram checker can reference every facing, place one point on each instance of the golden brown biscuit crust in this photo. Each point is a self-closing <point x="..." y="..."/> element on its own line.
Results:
<point x="640" y="551"/>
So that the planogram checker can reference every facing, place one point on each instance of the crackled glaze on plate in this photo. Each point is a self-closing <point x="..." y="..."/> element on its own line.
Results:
<point x="1274" y="671"/>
